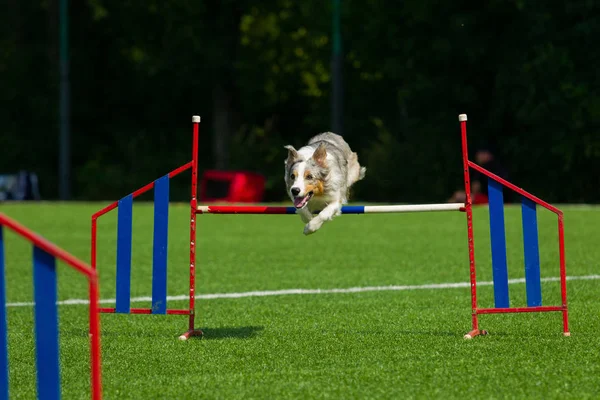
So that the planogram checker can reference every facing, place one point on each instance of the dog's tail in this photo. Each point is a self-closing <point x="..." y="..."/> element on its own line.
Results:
<point x="355" y="171"/>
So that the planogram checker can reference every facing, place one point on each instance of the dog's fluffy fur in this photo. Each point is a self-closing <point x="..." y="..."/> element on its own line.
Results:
<point x="319" y="175"/>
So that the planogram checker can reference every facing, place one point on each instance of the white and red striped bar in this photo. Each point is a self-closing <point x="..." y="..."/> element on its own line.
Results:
<point x="345" y="209"/>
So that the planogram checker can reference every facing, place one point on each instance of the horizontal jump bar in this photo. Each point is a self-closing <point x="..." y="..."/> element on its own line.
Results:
<point x="345" y="209"/>
<point x="112" y="310"/>
<point x="519" y="309"/>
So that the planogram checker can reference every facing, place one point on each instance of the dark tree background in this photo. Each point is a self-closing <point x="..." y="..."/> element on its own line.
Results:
<point x="526" y="73"/>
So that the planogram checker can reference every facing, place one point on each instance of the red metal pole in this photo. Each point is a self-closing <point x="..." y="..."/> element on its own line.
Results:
<point x="193" y="205"/>
<point x="90" y="274"/>
<point x="246" y="210"/>
<point x="94" y="238"/>
<point x="95" y="321"/>
<point x="170" y="311"/>
<point x="469" y="211"/>
<point x="563" y="274"/>
<point x="95" y="352"/>
<point x="47" y="246"/>
<point x="519" y="309"/>
<point x="141" y="190"/>
<point x="515" y="188"/>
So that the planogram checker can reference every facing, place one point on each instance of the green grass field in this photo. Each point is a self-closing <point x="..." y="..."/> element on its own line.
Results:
<point x="374" y="344"/>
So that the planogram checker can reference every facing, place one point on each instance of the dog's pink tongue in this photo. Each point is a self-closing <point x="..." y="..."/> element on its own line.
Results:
<point x="298" y="201"/>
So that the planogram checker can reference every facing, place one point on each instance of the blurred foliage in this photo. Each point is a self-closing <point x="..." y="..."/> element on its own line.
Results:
<point x="524" y="72"/>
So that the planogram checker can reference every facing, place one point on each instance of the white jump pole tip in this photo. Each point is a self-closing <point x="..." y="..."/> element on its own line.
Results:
<point x="183" y="337"/>
<point x="467" y="336"/>
<point x="567" y="334"/>
<point x="462" y="117"/>
<point x="196" y="119"/>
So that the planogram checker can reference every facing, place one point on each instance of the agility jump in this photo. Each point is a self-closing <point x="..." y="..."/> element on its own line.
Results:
<point x="497" y="235"/>
<point x="47" y="353"/>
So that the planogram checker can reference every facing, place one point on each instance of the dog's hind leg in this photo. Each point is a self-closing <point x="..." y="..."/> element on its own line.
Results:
<point x="333" y="209"/>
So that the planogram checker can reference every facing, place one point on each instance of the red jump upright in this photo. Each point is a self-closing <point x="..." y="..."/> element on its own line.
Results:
<point x="124" y="206"/>
<point x="497" y="232"/>
<point x="46" y="318"/>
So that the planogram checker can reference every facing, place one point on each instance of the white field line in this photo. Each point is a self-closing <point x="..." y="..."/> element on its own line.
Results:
<point x="431" y="286"/>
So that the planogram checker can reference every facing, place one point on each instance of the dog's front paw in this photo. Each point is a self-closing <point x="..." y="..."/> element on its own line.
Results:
<point x="313" y="226"/>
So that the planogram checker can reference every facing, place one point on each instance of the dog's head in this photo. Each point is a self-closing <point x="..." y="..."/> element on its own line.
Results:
<point x="305" y="177"/>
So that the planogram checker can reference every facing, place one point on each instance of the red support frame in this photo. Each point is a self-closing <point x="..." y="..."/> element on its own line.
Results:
<point x="475" y="331"/>
<point x="193" y="165"/>
<point x="192" y="331"/>
<point x="467" y="164"/>
<point x="112" y="310"/>
<point x="92" y="277"/>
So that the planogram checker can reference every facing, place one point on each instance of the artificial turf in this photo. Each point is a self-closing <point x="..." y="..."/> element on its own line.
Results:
<point x="371" y="344"/>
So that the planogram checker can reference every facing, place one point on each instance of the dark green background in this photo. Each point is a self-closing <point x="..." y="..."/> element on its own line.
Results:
<point x="526" y="73"/>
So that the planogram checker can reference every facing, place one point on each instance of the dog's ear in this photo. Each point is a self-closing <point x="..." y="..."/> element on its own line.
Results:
<point x="292" y="154"/>
<point x="320" y="156"/>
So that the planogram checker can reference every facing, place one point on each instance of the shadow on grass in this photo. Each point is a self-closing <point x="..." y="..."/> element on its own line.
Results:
<point x="429" y="333"/>
<point x="242" y="332"/>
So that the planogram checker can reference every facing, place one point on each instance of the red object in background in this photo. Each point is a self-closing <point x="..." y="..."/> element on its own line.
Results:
<point x="480" y="198"/>
<point x="232" y="186"/>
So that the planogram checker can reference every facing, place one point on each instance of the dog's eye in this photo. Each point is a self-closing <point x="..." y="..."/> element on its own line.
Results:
<point x="309" y="176"/>
<point x="292" y="176"/>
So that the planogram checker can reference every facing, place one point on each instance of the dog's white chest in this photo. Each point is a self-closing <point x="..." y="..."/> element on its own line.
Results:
<point x="318" y="203"/>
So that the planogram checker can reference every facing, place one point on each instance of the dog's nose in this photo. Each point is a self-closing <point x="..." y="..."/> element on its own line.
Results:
<point x="295" y="191"/>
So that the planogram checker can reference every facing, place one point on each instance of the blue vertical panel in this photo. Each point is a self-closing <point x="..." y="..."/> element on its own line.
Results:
<point x="498" y="239"/>
<point x="46" y="325"/>
<point x="124" y="228"/>
<point x="159" y="257"/>
<point x="532" y="253"/>
<point x="3" y="327"/>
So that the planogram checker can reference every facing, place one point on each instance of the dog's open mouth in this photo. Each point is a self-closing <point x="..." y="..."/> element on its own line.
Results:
<point x="300" y="202"/>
